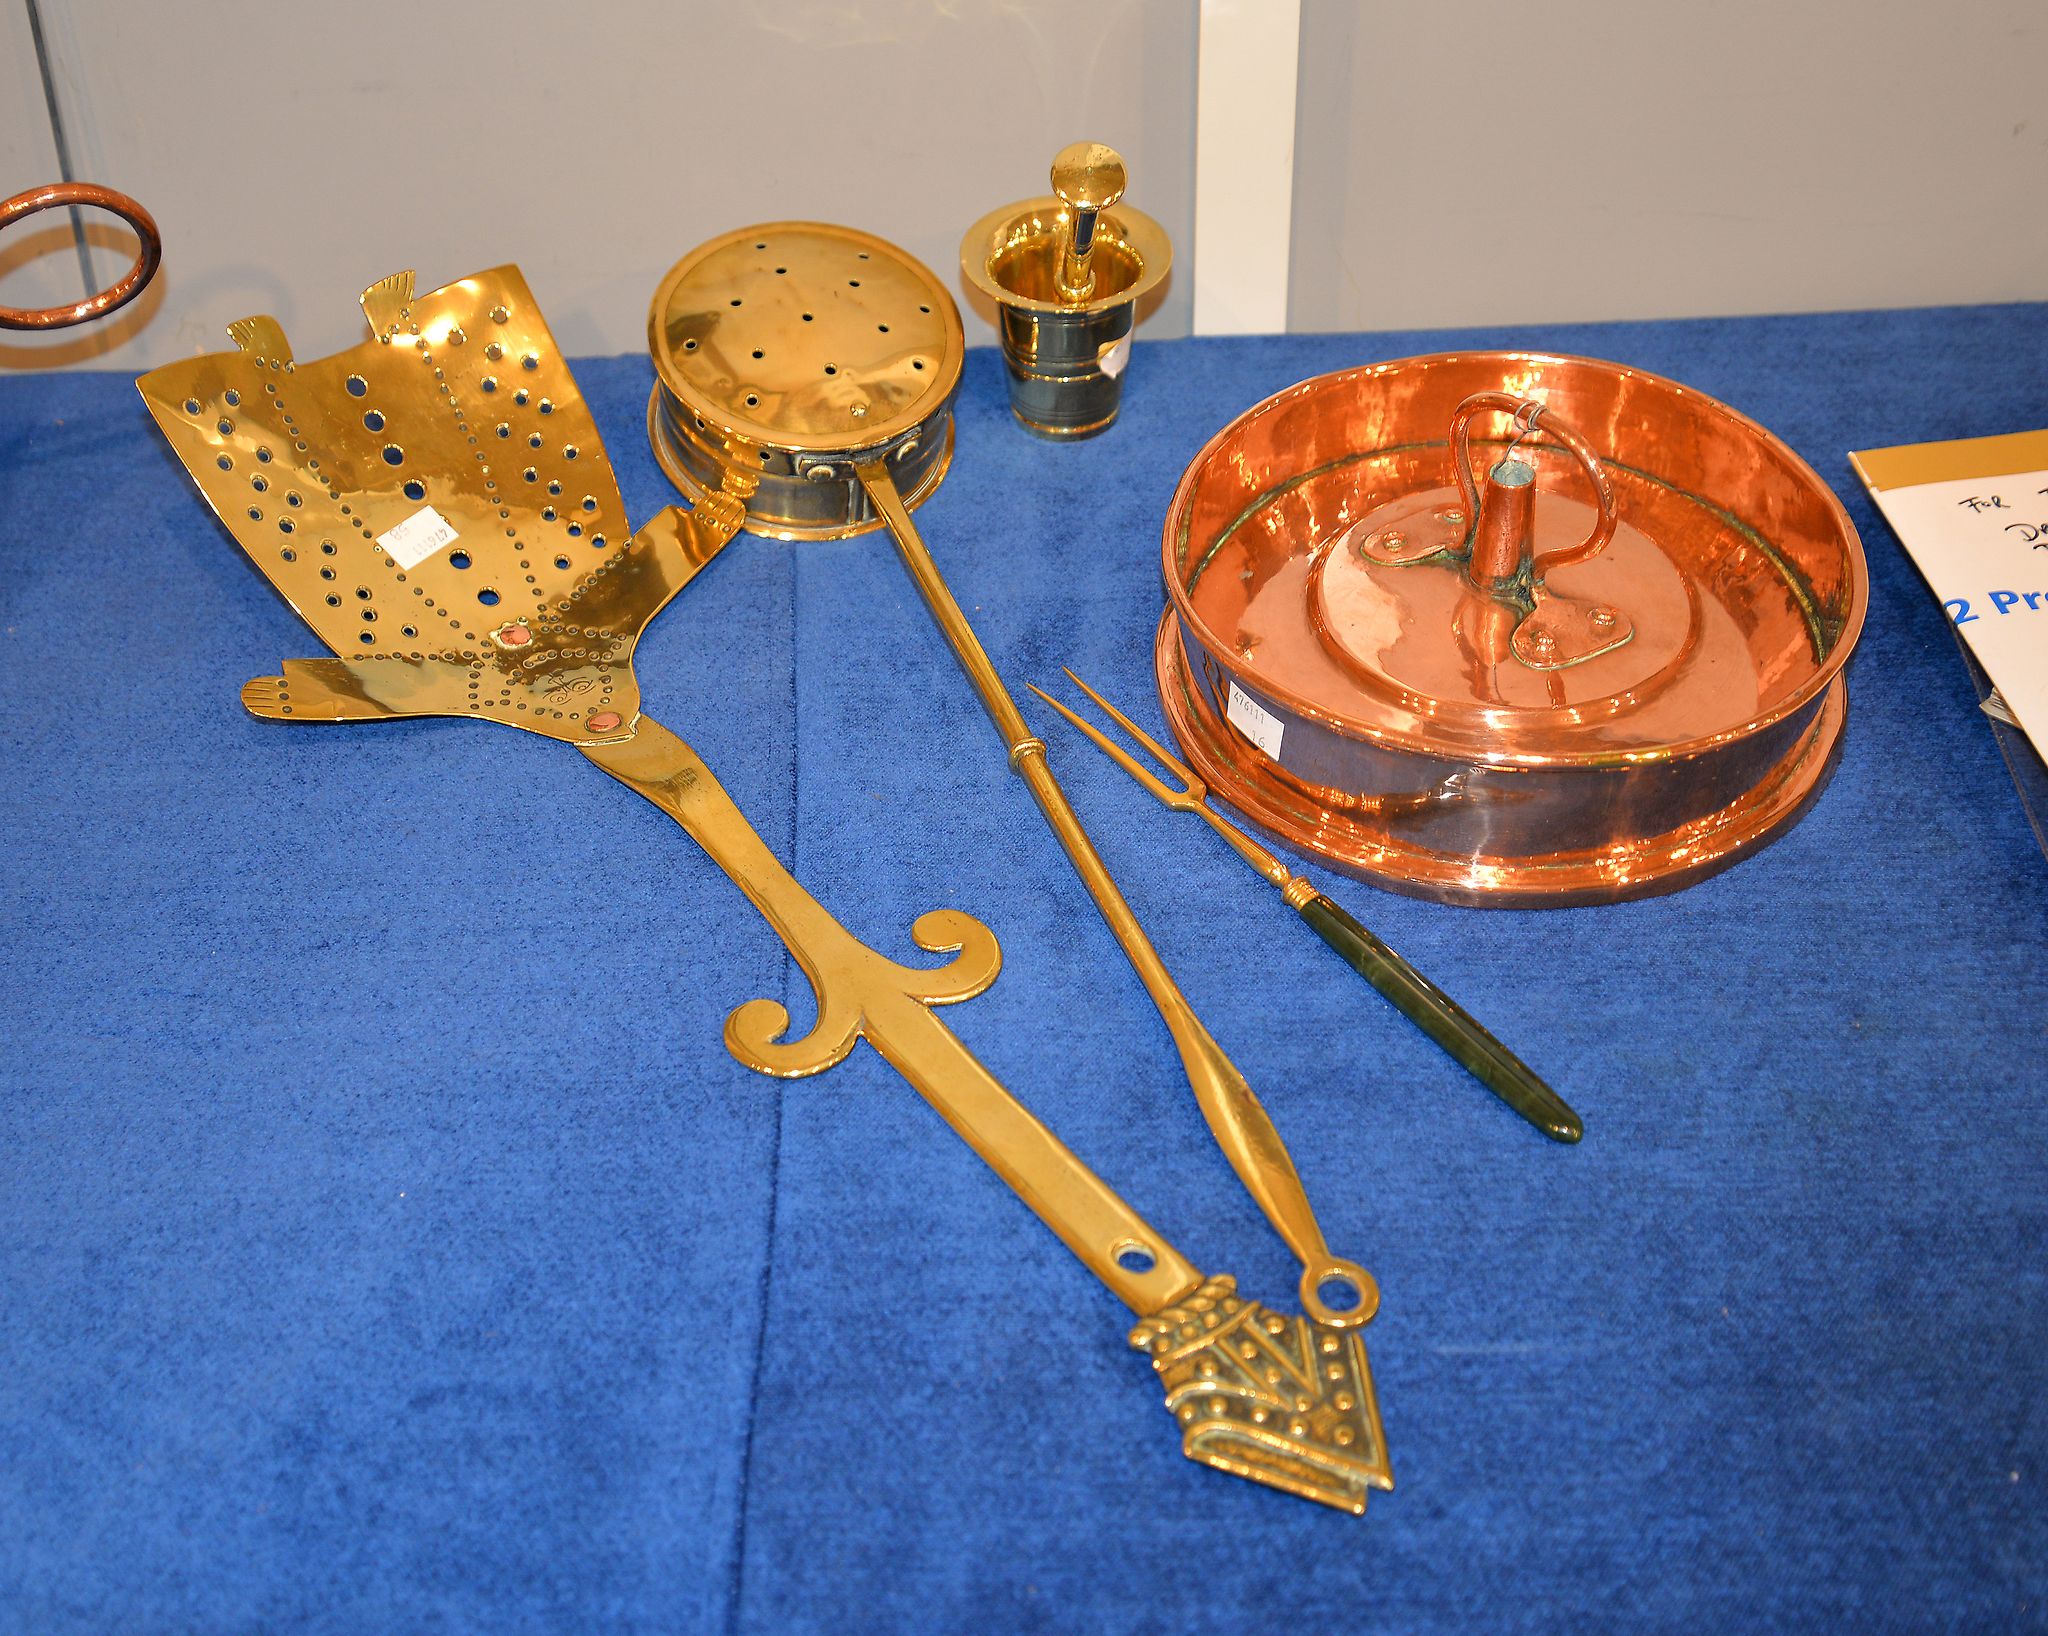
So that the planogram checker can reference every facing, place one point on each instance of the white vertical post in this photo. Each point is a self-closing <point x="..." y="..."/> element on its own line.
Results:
<point x="1248" y="61"/>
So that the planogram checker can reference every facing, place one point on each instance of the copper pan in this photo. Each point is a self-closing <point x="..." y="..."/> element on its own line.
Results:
<point x="1509" y="629"/>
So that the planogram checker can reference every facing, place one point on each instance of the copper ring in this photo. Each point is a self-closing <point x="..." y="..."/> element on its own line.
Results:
<point x="147" y="257"/>
<point x="1526" y="413"/>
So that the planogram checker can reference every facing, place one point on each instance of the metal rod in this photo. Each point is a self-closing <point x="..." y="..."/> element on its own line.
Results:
<point x="1400" y="984"/>
<point x="1240" y="1123"/>
<point x="62" y="144"/>
<point x="862" y="994"/>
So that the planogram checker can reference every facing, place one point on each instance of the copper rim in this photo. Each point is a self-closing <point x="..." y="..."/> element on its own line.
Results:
<point x="1295" y="816"/>
<point x="1177" y="509"/>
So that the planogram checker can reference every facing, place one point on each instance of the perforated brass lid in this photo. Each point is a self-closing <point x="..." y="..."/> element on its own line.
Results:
<point x="802" y="335"/>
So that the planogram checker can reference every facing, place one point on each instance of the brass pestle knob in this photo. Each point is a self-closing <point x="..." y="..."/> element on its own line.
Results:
<point x="1087" y="177"/>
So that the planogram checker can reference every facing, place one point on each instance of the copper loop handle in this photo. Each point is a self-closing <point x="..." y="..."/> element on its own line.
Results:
<point x="118" y="294"/>
<point x="1527" y="412"/>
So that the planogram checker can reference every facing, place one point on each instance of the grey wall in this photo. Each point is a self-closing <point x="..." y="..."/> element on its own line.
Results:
<point x="1455" y="163"/>
<point x="294" y="153"/>
<point x="38" y="265"/>
<point x="1481" y="161"/>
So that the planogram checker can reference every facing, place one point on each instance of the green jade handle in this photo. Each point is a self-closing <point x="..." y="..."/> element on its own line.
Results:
<point x="1443" y="1020"/>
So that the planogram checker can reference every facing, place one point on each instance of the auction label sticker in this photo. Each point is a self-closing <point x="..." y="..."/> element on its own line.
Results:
<point x="1973" y="516"/>
<point x="1254" y="720"/>
<point x="418" y="537"/>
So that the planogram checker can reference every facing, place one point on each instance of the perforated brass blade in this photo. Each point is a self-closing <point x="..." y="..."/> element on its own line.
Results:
<point x="436" y="503"/>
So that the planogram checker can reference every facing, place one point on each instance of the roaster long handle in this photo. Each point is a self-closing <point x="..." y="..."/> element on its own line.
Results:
<point x="1236" y="1117"/>
<point x="862" y="993"/>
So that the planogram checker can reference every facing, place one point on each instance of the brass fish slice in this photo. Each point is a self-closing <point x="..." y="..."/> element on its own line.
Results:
<point x="436" y="503"/>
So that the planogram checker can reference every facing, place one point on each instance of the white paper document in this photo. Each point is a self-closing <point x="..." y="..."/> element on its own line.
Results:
<point x="1973" y="515"/>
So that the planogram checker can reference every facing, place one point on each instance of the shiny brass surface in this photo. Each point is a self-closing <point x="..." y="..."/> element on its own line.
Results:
<point x="1240" y="1123"/>
<point x="1014" y="254"/>
<point x="1411" y="993"/>
<point x="71" y="195"/>
<point x="522" y="605"/>
<point x="862" y="995"/>
<point x="1277" y="1399"/>
<point x="1674" y="698"/>
<point x="1066" y="273"/>
<point x="785" y="352"/>
<point x="1087" y="177"/>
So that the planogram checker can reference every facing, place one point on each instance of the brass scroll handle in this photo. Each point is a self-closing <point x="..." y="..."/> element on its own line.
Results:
<point x="117" y="294"/>
<point x="1087" y="178"/>
<point x="1279" y="1400"/>
<point x="1528" y="415"/>
<point x="863" y="995"/>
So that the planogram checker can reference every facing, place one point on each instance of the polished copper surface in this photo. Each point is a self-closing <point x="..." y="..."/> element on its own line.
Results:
<point x="63" y="195"/>
<point x="1650" y="694"/>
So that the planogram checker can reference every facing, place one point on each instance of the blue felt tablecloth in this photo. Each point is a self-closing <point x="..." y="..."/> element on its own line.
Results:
<point x="387" y="1243"/>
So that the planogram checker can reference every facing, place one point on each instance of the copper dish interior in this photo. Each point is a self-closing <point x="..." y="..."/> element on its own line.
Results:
<point x="1412" y="752"/>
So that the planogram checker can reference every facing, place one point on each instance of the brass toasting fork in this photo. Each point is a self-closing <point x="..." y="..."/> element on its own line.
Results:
<point x="437" y="505"/>
<point x="1406" y="989"/>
